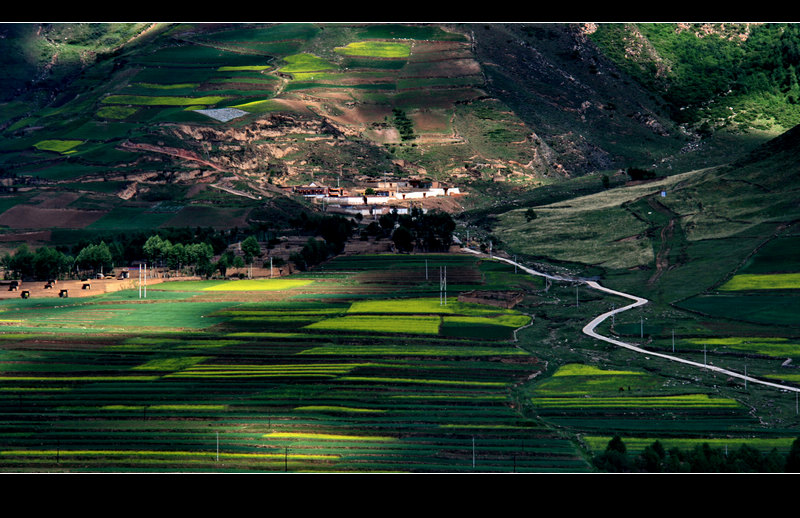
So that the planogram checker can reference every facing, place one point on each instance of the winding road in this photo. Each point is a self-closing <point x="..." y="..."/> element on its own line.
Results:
<point x="589" y="329"/>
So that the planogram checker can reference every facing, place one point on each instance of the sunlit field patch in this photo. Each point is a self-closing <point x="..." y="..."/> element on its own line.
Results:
<point x="577" y="381"/>
<point x="326" y="436"/>
<point x="430" y="305"/>
<point x="772" y="281"/>
<point x="425" y="381"/>
<point x="305" y="63"/>
<point x="116" y="112"/>
<point x="58" y="146"/>
<point x="427" y="325"/>
<point x="772" y="346"/>
<point x="146" y="100"/>
<point x="243" y="67"/>
<point x="375" y="49"/>
<point x="266" y="371"/>
<point x="677" y="401"/>
<point x="330" y="408"/>
<point x="411" y="350"/>
<point x="259" y="285"/>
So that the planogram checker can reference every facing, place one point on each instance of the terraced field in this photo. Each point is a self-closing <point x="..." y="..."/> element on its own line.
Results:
<point x="212" y="377"/>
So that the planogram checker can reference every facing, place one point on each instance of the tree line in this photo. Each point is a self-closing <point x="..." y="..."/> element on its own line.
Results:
<point x="423" y="231"/>
<point x="703" y="458"/>
<point x="195" y="249"/>
<point x="173" y="248"/>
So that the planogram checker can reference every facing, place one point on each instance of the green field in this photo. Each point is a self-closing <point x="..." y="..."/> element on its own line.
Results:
<point x="287" y="378"/>
<point x="357" y="390"/>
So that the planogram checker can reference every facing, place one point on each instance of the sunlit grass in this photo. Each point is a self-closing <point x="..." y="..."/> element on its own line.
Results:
<point x="425" y="381"/>
<point x="678" y="401"/>
<point x="305" y="63"/>
<point x="259" y="285"/>
<point x="329" y="408"/>
<point x="428" y="325"/>
<point x="326" y="436"/>
<point x="771" y="346"/>
<point x="579" y="369"/>
<point x="771" y="281"/>
<point x="146" y="100"/>
<point x="58" y="146"/>
<point x="375" y="49"/>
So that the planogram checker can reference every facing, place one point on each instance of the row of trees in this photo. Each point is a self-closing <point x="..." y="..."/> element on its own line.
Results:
<point x="179" y="249"/>
<point x="51" y="263"/>
<point x="654" y="458"/>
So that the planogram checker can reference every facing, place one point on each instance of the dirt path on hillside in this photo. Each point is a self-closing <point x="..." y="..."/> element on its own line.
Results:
<point x="667" y="232"/>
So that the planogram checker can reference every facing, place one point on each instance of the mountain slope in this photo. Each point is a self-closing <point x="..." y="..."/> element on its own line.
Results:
<point x="223" y="114"/>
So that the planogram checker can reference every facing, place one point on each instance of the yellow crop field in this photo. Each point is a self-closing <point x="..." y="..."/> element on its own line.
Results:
<point x="774" y="281"/>
<point x="259" y="285"/>
<point x="375" y="49"/>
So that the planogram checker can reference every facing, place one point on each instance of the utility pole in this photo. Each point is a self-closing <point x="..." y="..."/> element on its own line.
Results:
<point x="673" y="340"/>
<point x="641" y="327"/>
<point x="443" y="285"/>
<point x="473" y="452"/>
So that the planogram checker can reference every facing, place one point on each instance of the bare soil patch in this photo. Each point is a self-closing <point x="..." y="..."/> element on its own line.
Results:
<point x="29" y="216"/>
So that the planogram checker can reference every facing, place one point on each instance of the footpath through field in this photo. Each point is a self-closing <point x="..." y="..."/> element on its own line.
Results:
<point x="589" y="329"/>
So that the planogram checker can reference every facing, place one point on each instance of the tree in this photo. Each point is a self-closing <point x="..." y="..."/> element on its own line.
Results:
<point x="20" y="264"/>
<point x="251" y="249"/>
<point x="95" y="257"/>
<point x="403" y="240"/>
<point x="225" y="262"/>
<point x="530" y="215"/>
<point x="199" y="255"/>
<point x="156" y="249"/>
<point x="49" y="263"/>
<point x="793" y="458"/>
<point x="176" y="256"/>
<point x="614" y="458"/>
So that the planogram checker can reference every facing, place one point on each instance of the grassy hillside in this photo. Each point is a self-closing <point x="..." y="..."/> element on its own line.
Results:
<point x="137" y="113"/>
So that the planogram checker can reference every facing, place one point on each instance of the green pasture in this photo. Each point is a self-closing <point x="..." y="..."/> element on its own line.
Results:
<point x="58" y="146"/>
<point x="145" y="315"/>
<point x="777" y="347"/>
<point x="163" y="100"/>
<point x="299" y="63"/>
<point x="365" y="382"/>
<point x="428" y="325"/>
<point x="432" y="305"/>
<point x="779" y="255"/>
<point x="762" y="308"/>
<point x="394" y="31"/>
<point x="278" y="32"/>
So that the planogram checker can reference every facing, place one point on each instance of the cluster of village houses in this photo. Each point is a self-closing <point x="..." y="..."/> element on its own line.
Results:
<point x="374" y="198"/>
